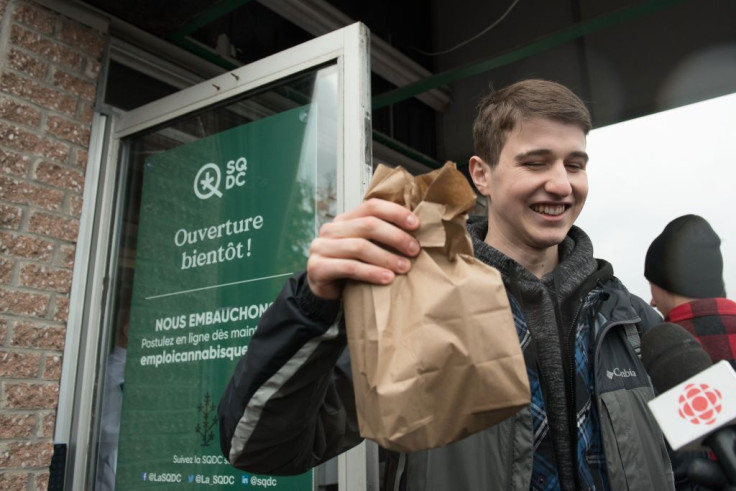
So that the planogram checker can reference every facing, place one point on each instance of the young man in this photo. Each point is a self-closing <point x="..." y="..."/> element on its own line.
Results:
<point x="290" y="404"/>
<point x="684" y="267"/>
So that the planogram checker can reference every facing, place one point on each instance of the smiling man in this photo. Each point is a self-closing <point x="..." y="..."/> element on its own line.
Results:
<point x="538" y="184"/>
<point x="284" y="413"/>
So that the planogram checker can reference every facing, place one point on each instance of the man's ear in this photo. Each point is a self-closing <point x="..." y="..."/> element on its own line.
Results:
<point x="480" y="172"/>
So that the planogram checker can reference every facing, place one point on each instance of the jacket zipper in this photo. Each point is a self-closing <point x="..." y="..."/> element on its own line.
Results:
<point x="570" y="382"/>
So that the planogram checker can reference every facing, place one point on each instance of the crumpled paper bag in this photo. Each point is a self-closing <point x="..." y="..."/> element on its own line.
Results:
<point x="435" y="355"/>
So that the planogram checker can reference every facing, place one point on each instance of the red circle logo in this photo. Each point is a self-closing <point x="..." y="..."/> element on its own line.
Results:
<point x="700" y="404"/>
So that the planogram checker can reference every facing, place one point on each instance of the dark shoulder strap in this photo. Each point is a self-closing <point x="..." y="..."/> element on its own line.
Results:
<point x="632" y="334"/>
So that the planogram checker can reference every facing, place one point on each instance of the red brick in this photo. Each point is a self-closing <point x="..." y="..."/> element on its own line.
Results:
<point x="60" y="177"/>
<point x="75" y="206"/>
<point x="54" y="226"/>
<point x="48" y="423"/>
<point x="42" y="480"/>
<point x="31" y="66"/>
<point x="24" y="193"/>
<point x="32" y="41"/>
<point x="81" y="157"/>
<point x="31" y="396"/>
<point x="23" y="303"/>
<point x="11" y="110"/>
<point x="66" y="256"/>
<point x="35" y="18"/>
<point x="61" y="309"/>
<point x="26" y="246"/>
<point x="51" y="368"/>
<point x="6" y="270"/>
<point x="92" y="68"/>
<point x="29" y="335"/>
<point x="46" y="279"/>
<point x="53" y="149"/>
<point x="26" y="454"/>
<point x="74" y="85"/>
<point x="17" y="425"/>
<point x="86" y="40"/>
<point x="42" y="95"/>
<point x="13" y="163"/>
<point x="10" y="216"/>
<point x="14" y="481"/>
<point x="18" y="364"/>
<point x="16" y="138"/>
<point x="68" y="130"/>
<point x="85" y="113"/>
<point x="46" y="48"/>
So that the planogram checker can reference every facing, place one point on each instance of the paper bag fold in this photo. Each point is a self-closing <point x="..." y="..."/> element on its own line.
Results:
<point x="435" y="355"/>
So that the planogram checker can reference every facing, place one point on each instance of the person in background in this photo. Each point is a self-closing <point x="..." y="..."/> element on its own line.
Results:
<point x="684" y="267"/>
<point x="290" y="403"/>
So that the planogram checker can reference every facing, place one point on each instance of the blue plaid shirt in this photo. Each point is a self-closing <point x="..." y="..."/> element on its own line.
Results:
<point x="591" y="464"/>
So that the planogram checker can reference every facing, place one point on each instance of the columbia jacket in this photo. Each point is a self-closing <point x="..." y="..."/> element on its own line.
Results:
<point x="290" y="404"/>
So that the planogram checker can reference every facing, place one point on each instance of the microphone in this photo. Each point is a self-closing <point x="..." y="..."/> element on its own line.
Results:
<point x="672" y="355"/>
<point x="697" y="400"/>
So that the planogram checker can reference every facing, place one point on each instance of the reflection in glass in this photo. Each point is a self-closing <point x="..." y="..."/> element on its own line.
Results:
<point x="311" y="198"/>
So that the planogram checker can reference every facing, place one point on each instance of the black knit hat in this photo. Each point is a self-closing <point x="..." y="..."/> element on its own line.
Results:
<point x="686" y="259"/>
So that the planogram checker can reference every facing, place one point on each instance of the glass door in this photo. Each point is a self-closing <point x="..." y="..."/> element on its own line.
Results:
<point x="219" y="190"/>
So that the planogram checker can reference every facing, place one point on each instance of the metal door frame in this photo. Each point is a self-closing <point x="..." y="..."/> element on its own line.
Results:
<point x="349" y="48"/>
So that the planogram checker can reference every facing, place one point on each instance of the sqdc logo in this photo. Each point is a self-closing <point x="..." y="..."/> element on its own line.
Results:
<point x="208" y="181"/>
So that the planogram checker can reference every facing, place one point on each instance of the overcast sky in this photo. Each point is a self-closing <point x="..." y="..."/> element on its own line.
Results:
<point x="645" y="172"/>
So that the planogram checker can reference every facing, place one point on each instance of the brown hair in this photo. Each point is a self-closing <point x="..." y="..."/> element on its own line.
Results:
<point x="500" y="111"/>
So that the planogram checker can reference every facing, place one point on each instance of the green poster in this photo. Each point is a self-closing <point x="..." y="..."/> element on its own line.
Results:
<point x="224" y="221"/>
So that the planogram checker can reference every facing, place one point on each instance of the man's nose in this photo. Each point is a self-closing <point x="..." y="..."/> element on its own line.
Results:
<point x="558" y="180"/>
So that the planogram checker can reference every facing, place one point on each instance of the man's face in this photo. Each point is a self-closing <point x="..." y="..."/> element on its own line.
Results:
<point x="538" y="188"/>
<point x="662" y="300"/>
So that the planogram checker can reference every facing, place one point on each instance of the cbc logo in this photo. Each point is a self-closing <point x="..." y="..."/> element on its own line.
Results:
<point x="700" y="404"/>
<point x="208" y="181"/>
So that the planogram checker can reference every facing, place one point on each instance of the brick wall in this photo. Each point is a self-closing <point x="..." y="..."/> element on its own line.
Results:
<point x="49" y="66"/>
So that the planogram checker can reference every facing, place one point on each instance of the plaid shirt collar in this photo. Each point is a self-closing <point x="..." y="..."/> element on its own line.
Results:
<point x="701" y="307"/>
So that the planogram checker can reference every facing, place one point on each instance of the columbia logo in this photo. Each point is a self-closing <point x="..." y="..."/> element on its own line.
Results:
<point x="617" y="372"/>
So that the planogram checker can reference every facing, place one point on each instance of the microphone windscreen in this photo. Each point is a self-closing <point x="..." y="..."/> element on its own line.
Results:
<point x="672" y="355"/>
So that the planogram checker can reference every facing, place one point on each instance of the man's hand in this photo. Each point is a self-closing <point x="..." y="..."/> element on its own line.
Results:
<point x="358" y="245"/>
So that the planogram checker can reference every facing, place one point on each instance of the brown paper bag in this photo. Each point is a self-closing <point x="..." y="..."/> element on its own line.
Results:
<point x="435" y="355"/>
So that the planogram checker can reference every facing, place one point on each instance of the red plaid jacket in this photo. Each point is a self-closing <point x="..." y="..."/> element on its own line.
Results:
<point x="713" y="322"/>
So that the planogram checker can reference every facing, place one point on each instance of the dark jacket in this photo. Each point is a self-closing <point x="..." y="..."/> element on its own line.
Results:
<point x="290" y="404"/>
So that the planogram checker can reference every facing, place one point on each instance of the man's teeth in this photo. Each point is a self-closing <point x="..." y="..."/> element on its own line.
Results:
<point x="549" y="210"/>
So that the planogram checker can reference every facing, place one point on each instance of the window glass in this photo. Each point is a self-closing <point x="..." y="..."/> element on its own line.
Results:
<point x="217" y="210"/>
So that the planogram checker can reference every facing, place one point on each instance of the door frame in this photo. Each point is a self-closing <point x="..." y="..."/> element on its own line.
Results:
<point x="78" y="406"/>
